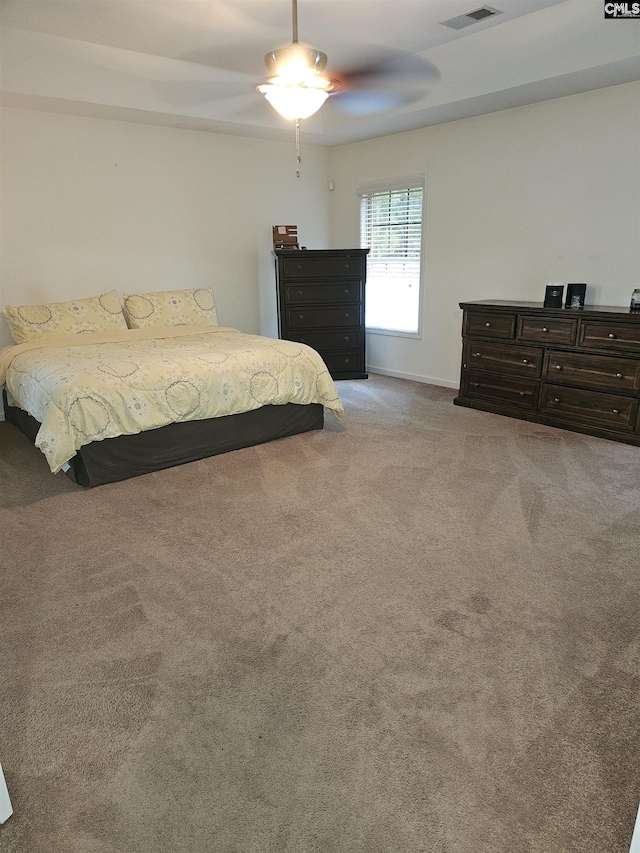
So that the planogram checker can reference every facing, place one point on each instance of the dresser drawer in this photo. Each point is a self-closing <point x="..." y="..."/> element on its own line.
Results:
<point x="547" y="330"/>
<point x="489" y="324"/>
<point x="592" y="407"/>
<point x="502" y="358"/>
<point x="342" y="339"/>
<point x="618" y="336"/>
<point x="594" y="371"/>
<point x="343" y="362"/>
<point x="313" y="318"/>
<point x="501" y="389"/>
<point x="322" y="267"/>
<point x="347" y="291"/>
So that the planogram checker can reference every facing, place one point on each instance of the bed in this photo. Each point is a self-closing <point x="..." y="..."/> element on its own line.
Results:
<point x="109" y="405"/>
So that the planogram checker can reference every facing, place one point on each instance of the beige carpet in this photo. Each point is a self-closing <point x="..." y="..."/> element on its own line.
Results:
<point x="416" y="632"/>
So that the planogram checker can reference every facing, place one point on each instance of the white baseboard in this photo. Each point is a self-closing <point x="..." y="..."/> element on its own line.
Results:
<point x="415" y="377"/>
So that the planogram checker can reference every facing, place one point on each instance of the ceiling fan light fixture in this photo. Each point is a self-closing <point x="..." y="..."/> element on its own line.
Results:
<point x="296" y="88"/>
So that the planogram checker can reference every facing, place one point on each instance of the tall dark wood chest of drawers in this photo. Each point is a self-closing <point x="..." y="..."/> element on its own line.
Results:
<point x="321" y="295"/>
<point x="577" y="369"/>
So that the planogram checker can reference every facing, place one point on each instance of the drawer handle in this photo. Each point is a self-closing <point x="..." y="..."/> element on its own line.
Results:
<point x="558" y="367"/>
<point x="556" y="399"/>
<point x="522" y="393"/>
<point x="346" y="266"/>
<point x="300" y="292"/>
<point x="300" y="316"/>
<point x="346" y="290"/>
<point x="488" y="325"/>
<point x="619" y="376"/>
<point x="478" y="354"/>
<point x="545" y="329"/>
<point x="612" y="336"/>
<point x="616" y="411"/>
<point x="346" y="338"/>
<point x="347" y="315"/>
<point x="525" y="361"/>
<point x="475" y="384"/>
<point x="346" y="361"/>
<point x="299" y="266"/>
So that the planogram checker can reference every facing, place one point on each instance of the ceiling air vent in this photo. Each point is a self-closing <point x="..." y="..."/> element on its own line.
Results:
<point x="471" y="18"/>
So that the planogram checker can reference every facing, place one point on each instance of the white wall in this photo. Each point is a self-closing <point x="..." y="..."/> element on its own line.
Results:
<point x="547" y="192"/>
<point x="90" y="205"/>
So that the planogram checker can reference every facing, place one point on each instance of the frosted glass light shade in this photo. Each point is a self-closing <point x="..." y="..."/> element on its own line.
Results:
<point x="294" y="102"/>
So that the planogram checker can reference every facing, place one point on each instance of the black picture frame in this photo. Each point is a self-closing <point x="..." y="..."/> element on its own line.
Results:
<point x="553" y="295"/>
<point x="573" y="290"/>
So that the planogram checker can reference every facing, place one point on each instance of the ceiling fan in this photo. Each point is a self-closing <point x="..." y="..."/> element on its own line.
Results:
<point x="297" y="87"/>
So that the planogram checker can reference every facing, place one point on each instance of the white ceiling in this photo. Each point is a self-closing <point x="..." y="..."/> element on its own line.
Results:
<point x="193" y="63"/>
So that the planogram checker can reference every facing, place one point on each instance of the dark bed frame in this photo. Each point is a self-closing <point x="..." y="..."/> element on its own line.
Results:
<point x="127" y="456"/>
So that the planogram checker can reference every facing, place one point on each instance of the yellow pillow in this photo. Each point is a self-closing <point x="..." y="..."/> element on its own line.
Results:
<point x="171" y="308"/>
<point x="95" y="314"/>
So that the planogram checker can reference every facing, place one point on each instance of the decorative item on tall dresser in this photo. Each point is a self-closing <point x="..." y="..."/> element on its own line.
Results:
<point x="553" y="295"/>
<point x="576" y="294"/>
<point x="285" y="237"/>
<point x="635" y="300"/>
<point x="321" y="295"/>
<point x="577" y="371"/>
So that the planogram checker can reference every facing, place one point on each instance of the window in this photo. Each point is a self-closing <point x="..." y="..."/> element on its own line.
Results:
<point x="391" y="227"/>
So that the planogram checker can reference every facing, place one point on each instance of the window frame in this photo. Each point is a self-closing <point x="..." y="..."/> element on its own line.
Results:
<point x="405" y="182"/>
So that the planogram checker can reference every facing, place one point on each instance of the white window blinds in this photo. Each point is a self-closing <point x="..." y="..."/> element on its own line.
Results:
<point x="391" y="227"/>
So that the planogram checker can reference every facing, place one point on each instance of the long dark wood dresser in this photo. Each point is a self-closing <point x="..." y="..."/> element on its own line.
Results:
<point x="321" y="295"/>
<point x="573" y="368"/>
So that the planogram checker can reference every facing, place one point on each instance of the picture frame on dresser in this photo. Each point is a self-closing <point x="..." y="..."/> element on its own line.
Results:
<point x="577" y="371"/>
<point x="553" y="295"/>
<point x="576" y="295"/>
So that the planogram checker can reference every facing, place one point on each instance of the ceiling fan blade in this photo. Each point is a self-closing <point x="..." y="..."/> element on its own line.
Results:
<point x="390" y="81"/>
<point x="188" y="93"/>
<point x="152" y="67"/>
<point x="371" y="103"/>
<point x="179" y="84"/>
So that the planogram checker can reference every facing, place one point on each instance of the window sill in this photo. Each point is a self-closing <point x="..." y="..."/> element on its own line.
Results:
<point x="393" y="333"/>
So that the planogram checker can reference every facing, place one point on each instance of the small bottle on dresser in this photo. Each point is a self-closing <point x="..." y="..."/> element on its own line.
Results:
<point x="635" y="300"/>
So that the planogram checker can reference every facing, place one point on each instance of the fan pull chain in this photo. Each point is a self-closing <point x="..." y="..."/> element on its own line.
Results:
<point x="298" y="158"/>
